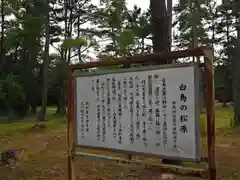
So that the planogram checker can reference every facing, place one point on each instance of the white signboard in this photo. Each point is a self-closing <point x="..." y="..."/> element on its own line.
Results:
<point x="150" y="111"/>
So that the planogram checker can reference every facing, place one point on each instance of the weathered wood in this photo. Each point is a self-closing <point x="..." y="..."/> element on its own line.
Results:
<point x="148" y="165"/>
<point x="140" y="58"/>
<point x="236" y="83"/>
<point x="208" y="53"/>
<point x="70" y="126"/>
<point x="210" y="107"/>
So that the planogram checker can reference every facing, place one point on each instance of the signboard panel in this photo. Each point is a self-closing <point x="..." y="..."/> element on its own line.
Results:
<point x="150" y="110"/>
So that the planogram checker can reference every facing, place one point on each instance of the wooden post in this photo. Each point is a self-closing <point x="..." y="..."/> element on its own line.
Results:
<point x="70" y="120"/>
<point x="208" y="64"/>
<point x="210" y="105"/>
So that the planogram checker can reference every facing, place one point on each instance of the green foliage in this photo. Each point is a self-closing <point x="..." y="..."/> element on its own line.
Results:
<point x="12" y="94"/>
<point x="126" y="37"/>
<point x="71" y="43"/>
<point x="221" y="75"/>
<point x="9" y="10"/>
<point x="110" y="68"/>
<point x="191" y="15"/>
<point x="2" y="93"/>
<point x="125" y="29"/>
<point x="12" y="89"/>
<point x="209" y="23"/>
<point x="59" y="74"/>
<point x="122" y="31"/>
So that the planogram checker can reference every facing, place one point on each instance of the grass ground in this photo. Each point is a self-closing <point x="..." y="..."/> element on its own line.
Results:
<point x="45" y="157"/>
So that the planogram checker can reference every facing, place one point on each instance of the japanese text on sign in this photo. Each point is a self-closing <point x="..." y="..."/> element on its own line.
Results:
<point x="151" y="111"/>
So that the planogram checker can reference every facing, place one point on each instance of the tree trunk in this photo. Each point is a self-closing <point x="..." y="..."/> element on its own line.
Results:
<point x="61" y="106"/>
<point x="66" y="53"/>
<point x="161" y="41"/>
<point x="78" y="35"/>
<point x="224" y="105"/>
<point x="2" y="57"/>
<point x="42" y="115"/>
<point x="69" y="32"/>
<point x="236" y="83"/>
<point x="228" y="62"/>
<point x="142" y="45"/>
<point x="65" y="26"/>
<point x="60" y="109"/>
<point x="160" y="29"/>
<point x="169" y="8"/>
<point x="33" y="108"/>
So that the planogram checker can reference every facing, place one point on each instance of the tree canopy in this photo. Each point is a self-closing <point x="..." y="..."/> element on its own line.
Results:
<point x="78" y="30"/>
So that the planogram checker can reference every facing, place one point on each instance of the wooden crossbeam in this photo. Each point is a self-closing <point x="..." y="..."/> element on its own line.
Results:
<point x="140" y="58"/>
<point x="181" y="170"/>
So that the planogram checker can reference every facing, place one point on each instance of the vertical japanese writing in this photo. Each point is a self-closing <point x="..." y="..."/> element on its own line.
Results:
<point x="157" y="110"/>
<point x="131" y="94"/>
<point x="108" y="103"/>
<point x="183" y="109"/>
<point x="93" y="85"/>
<point x="174" y="125"/>
<point x="150" y="110"/>
<point x="150" y="89"/>
<point x="114" y="91"/>
<point x="137" y="86"/>
<point x="114" y="124"/>
<point x="119" y="99"/>
<point x="98" y="122"/>
<point x="119" y="87"/>
<point x="137" y="95"/>
<point x="98" y="89"/>
<point x="82" y="119"/>
<point x="98" y="108"/>
<point x="144" y="111"/>
<point x="164" y="107"/>
<point x="87" y="115"/>
<point x="157" y="90"/>
<point x="125" y="93"/>
<point x="103" y="111"/>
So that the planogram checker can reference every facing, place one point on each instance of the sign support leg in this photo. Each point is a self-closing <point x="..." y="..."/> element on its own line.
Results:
<point x="71" y="134"/>
<point x="70" y="130"/>
<point x="210" y="117"/>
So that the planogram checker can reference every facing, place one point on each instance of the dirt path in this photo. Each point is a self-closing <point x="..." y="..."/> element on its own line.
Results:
<point x="45" y="159"/>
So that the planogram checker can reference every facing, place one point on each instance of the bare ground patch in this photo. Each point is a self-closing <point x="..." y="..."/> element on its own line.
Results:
<point x="45" y="159"/>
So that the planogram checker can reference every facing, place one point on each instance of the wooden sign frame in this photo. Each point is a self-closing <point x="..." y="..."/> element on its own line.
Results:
<point x="210" y="172"/>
